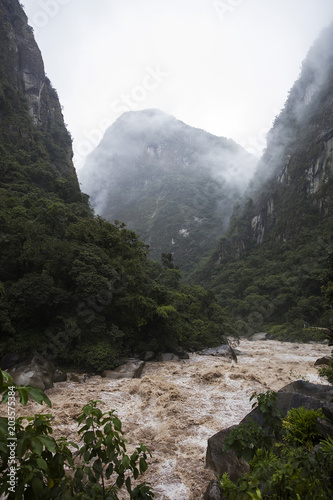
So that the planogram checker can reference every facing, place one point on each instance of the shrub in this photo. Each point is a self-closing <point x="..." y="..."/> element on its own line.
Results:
<point x="48" y="468"/>
<point x="284" y="466"/>
<point x="301" y="427"/>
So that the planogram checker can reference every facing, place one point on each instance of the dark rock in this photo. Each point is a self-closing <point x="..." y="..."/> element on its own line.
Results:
<point x="285" y="401"/>
<point x="224" y="351"/>
<point x="213" y="491"/>
<point x="259" y="336"/>
<point x="148" y="356"/>
<point x="59" y="376"/>
<point x="221" y="462"/>
<point x="132" y="369"/>
<point x="324" y="427"/>
<point x="36" y="372"/>
<point x="9" y="360"/>
<point x="328" y="411"/>
<point x="318" y="391"/>
<point x="182" y="354"/>
<point x="167" y="356"/>
<point x="325" y="360"/>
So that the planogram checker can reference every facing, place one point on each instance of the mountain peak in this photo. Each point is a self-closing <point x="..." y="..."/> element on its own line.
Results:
<point x="173" y="184"/>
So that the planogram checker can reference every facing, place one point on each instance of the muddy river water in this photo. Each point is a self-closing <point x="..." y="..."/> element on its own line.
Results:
<point x="176" y="406"/>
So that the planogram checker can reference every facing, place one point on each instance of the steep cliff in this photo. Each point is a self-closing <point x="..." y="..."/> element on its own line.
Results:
<point x="31" y="120"/>
<point x="294" y="176"/>
<point x="173" y="184"/>
<point x="281" y="233"/>
<point x="73" y="287"/>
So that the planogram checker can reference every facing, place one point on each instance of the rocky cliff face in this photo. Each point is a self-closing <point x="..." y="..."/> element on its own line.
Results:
<point x="269" y="266"/>
<point x="26" y="95"/>
<point x="173" y="184"/>
<point x="292" y="189"/>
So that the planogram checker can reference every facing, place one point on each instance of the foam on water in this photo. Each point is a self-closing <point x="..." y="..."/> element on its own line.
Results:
<point x="176" y="406"/>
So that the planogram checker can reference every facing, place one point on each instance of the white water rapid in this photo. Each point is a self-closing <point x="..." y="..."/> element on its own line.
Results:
<point x="176" y="406"/>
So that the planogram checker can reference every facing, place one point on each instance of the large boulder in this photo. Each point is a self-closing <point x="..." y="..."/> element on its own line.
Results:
<point x="224" y="351"/>
<point x="219" y="461"/>
<point x="9" y="360"/>
<point x="131" y="369"/>
<point x="285" y="401"/>
<point x="36" y="372"/>
<point x="318" y="391"/>
<point x="59" y="376"/>
<point x="325" y="360"/>
<point x="148" y="356"/>
<point x="182" y="354"/>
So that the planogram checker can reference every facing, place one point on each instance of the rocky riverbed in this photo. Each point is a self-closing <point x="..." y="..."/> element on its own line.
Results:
<point x="176" y="406"/>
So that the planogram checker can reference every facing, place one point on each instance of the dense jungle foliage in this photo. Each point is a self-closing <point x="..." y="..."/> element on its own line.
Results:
<point x="270" y="265"/>
<point x="75" y="287"/>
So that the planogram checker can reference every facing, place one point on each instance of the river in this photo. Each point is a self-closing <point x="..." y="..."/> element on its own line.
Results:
<point x="176" y="406"/>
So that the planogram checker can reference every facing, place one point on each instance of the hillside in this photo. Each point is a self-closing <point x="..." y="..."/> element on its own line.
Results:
<point x="172" y="184"/>
<point x="73" y="287"/>
<point x="269" y="267"/>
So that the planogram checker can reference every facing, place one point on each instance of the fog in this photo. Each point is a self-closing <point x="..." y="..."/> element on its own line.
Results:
<point x="151" y="139"/>
<point x="306" y="99"/>
<point x="224" y="66"/>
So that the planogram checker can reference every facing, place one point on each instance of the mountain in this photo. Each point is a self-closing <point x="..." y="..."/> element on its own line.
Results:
<point x="173" y="184"/>
<point x="269" y="267"/>
<point x="74" y="288"/>
<point x="27" y="98"/>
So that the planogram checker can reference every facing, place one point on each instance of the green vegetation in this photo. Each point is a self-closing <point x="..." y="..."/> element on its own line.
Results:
<point x="174" y="185"/>
<point x="74" y="287"/>
<point x="285" y="459"/>
<point x="269" y="267"/>
<point x="48" y="467"/>
<point x="274" y="287"/>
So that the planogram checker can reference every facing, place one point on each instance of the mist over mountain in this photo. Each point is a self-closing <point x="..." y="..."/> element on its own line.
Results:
<point x="276" y="250"/>
<point x="173" y="184"/>
<point x="74" y="288"/>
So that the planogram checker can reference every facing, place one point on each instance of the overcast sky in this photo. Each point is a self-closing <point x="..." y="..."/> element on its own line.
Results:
<point x="221" y="65"/>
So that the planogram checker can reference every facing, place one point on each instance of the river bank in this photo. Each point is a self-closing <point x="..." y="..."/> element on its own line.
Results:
<point x="176" y="406"/>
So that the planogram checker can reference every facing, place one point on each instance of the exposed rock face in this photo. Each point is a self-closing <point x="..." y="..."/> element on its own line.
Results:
<point x="294" y="176"/>
<point x="23" y="61"/>
<point x="22" y="71"/>
<point x="171" y="183"/>
<point x="317" y="391"/>
<point x="35" y="372"/>
<point x="220" y="461"/>
<point x="325" y="360"/>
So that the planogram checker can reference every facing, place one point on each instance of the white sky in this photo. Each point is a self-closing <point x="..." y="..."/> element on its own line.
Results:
<point x="221" y="65"/>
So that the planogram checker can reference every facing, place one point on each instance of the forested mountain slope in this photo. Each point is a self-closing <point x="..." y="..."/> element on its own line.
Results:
<point x="74" y="287"/>
<point x="173" y="184"/>
<point x="270" y="266"/>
